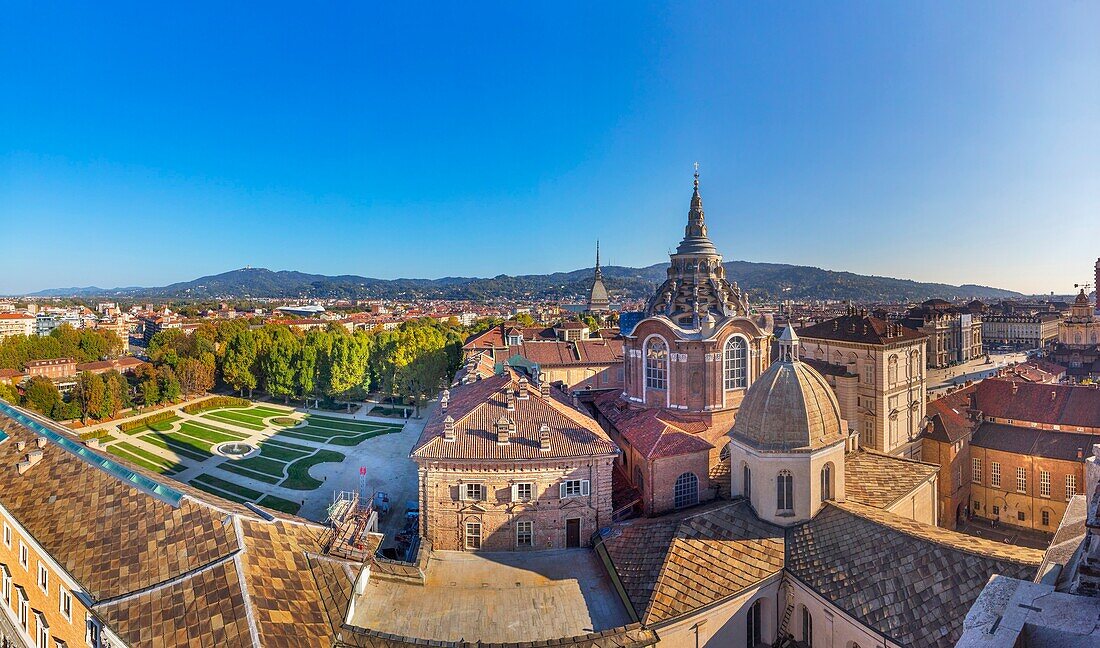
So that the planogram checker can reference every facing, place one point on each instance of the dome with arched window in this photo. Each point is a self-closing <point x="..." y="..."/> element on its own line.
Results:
<point x="789" y="407"/>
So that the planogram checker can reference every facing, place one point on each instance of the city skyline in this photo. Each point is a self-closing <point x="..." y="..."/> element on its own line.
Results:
<point x="821" y="134"/>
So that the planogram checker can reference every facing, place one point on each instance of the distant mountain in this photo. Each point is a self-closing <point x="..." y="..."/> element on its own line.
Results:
<point x="764" y="282"/>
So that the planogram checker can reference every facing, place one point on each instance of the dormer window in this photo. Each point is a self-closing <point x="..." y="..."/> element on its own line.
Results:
<point x="515" y="339"/>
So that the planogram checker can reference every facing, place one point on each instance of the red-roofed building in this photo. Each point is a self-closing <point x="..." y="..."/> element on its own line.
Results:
<point x="509" y="465"/>
<point x="16" y="324"/>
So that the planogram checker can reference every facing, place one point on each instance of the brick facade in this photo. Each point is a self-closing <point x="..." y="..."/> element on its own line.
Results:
<point x="447" y="511"/>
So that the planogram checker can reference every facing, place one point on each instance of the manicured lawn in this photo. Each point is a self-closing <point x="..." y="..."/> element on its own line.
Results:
<point x="159" y="426"/>
<point x="234" y="418"/>
<point x="216" y="491"/>
<point x="145" y="459"/>
<point x="184" y="449"/>
<point x="262" y="465"/>
<point x="269" y="410"/>
<point x="284" y="421"/>
<point x="205" y="433"/>
<point x="298" y="471"/>
<point x="229" y="487"/>
<point x="347" y="424"/>
<point x="282" y="452"/>
<point x="230" y="466"/>
<point x="187" y="440"/>
<point x="280" y="504"/>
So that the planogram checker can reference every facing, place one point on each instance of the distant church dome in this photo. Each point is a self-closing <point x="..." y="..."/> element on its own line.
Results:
<point x="789" y="407"/>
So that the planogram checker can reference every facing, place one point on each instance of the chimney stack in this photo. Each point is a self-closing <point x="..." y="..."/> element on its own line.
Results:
<point x="33" y="457"/>
<point x="523" y="387"/>
<point x="448" y="429"/>
<point x="40" y="442"/>
<point x="544" y="438"/>
<point x="544" y="388"/>
<point x="504" y="430"/>
<point x="445" y="400"/>
<point x="1015" y="387"/>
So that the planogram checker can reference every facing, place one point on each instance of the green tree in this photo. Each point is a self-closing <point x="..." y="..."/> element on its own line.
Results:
<point x="117" y="396"/>
<point x="168" y="384"/>
<point x="524" y="319"/>
<point x="41" y="395"/>
<point x="238" y="363"/>
<point x="348" y="370"/>
<point x="423" y="377"/>
<point x="195" y="376"/>
<point x="278" y="363"/>
<point x="89" y="395"/>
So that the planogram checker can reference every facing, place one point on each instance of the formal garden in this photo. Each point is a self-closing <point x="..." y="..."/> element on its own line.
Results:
<point x="241" y="450"/>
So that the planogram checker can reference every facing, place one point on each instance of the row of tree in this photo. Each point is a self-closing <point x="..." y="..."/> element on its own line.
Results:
<point x="85" y="345"/>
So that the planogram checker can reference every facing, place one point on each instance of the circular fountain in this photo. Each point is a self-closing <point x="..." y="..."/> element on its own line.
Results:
<point x="235" y="449"/>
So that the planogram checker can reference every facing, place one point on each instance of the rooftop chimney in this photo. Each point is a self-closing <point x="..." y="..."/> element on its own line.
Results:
<point x="448" y="429"/>
<point x="544" y="388"/>
<point x="509" y="400"/>
<point x="504" y="430"/>
<point x="40" y="442"/>
<point x="523" y="386"/>
<point x="33" y="457"/>
<point x="544" y="438"/>
<point x="21" y="446"/>
<point x="445" y="400"/>
<point x="1015" y="387"/>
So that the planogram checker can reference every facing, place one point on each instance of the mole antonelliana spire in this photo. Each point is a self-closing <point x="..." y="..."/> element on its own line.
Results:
<point x="598" y="299"/>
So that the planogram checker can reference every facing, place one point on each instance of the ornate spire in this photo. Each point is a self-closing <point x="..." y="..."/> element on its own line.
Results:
<point x="695" y="234"/>
<point x="599" y="273"/>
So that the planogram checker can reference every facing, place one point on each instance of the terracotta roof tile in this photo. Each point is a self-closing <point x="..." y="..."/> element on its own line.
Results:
<point x="880" y="480"/>
<point x="1067" y="405"/>
<point x="477" y="407"/>
<point x="910" y="581"/>
<point x="864" y="329"/>
<point x="674" y="564"/>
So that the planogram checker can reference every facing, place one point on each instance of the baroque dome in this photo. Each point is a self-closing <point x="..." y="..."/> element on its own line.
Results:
<point x="790" y="407"/>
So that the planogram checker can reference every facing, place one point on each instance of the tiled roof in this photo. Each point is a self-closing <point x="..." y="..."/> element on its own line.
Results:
<point x="880" y="480"/>
<point x="675" y="564"/>
<point x="205" y="572"/>
<point x="1067" y="405"/>
<point x="652" y="432"/>
<point x="910" y="581"/>
<point x="863" y="329"/>
<point x="477" y="407"/>
<point x="580" y="352"/>
<point x="950" y="421"/>
<point x="1036" y="442"/>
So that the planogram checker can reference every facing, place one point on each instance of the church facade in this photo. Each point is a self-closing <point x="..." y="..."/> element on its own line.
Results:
<point x="686" y="367"/>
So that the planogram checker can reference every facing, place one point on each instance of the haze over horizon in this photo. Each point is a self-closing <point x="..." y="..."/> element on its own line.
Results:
<point x="953" y="144"/>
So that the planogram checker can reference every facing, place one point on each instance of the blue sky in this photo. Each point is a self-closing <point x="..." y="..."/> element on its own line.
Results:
<point x="937" y="141"/>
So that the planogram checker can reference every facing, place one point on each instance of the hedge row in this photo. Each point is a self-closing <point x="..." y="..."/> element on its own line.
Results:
<point x="148" y="420"/>
<point x="216" y="403"/>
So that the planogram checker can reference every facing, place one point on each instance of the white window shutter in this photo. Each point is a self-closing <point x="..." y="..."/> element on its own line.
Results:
<point x="584" y="488"/>
<point x="561" y="490"/>
<point x="462" y="492"/>
<point x="515" y="492"/>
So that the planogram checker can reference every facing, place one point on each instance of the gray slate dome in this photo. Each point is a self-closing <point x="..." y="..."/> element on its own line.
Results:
<point x="789" y="407"/>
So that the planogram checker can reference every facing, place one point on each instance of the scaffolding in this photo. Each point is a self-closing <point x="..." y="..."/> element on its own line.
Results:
<point x="351" y="520"/>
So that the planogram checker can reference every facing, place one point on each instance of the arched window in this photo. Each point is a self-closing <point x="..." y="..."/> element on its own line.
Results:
<point x="656" y="364"/>
<point x="686" y="492"/>
<point x="807" y="628"/>
<point x="752" y="625"/>
<point x="746" y="475"/>
<point x="736" y="363"/>
<point x="784" y="492"/>
<point x="827" y="482"/>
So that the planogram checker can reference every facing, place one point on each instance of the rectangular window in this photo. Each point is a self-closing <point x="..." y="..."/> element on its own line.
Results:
<point x="1044" y="483"/>
<point x="523" y="492"/>
<point x="1020" y="516"/>
<point x="1071" y="486"/>
<point x="24" y="609"/>
<point x="995" y="476"/>
<point x="1021" y="480"/>
<point x="43" y="633"/>
<point x="473" y="492"/>
<point x="7" y="535"/>
<point x="525" y="533"/>
<point x="574" y="488"/>
<point x="1046" y="518"/>
<point x="996" y="510"/>
<point x="66" y="604"/>
<point x="24" y="555"/>
<point x="43" y="578"/>
<point x="976" y="473"/>
<point x="473" y="535"/>
<point x="5" y="585"/>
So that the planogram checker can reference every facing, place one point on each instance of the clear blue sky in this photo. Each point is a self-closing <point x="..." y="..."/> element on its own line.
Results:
<point x="145" y="144"/>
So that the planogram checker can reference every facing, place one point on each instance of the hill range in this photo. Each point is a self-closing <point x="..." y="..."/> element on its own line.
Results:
<point x="763" y="281"/>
